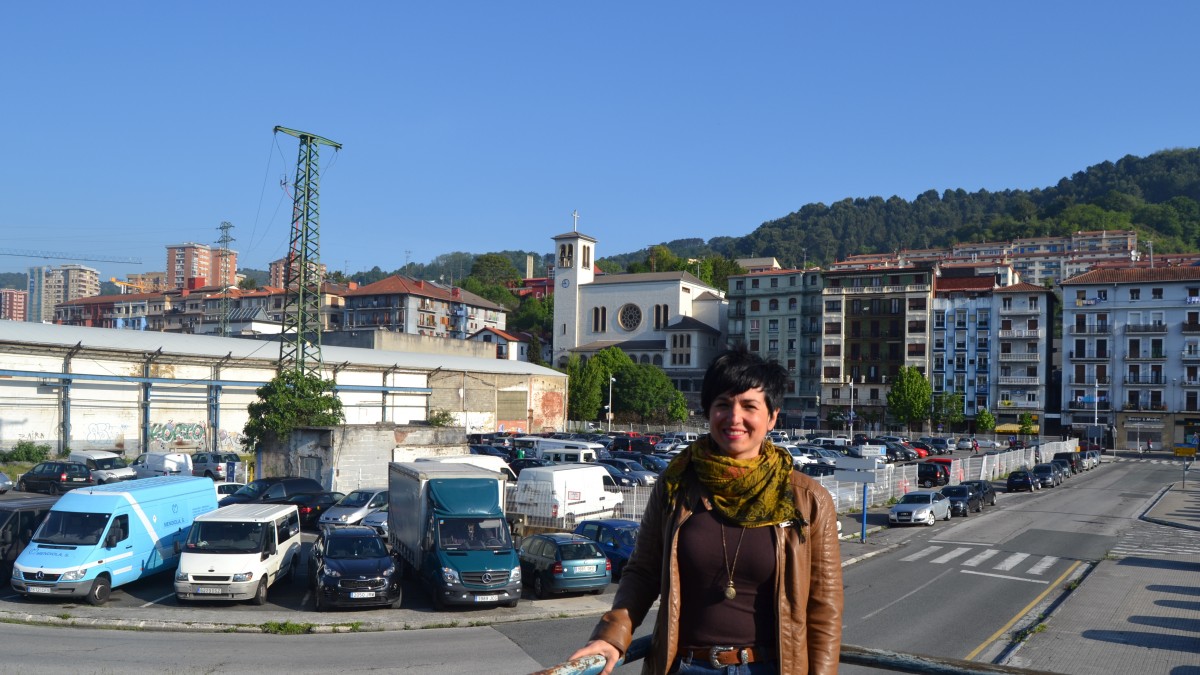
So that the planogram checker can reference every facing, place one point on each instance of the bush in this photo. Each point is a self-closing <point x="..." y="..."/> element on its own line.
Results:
<point x="28" y="451"/>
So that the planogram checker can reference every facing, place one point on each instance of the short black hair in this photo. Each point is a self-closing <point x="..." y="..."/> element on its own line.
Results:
<point x="737" y="370"/>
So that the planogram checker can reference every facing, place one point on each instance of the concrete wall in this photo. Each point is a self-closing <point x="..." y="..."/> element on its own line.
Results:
<point x="386" y="340"/>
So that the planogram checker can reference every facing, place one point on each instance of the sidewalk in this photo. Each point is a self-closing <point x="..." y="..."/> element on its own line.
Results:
<point x="1133" y="614"/>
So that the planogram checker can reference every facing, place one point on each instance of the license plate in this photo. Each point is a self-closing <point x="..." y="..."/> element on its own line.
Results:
<point x="362" y="594"/>
<point x="585" y="569"/>
<point x="39" y="589"/>
<point x="487" y="598"/>
<point x="210" y="590"/>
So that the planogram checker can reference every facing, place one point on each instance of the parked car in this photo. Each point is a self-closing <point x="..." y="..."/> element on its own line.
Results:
<point x="517" y="465"/>
<point x="106" y="467"/>
<point x="634" y="444"/>
<point x="351" y="566"/>
<point x="1074" y="459"/>
<point x="922" y="448"/>
<point x="1046" y="475"/>
<point x="55" y="477"/>
<point x="1063" y="467"/>
<point x="932" y="475"/>
<point x="150" y="464"/>
<point x="272" y="490"/>
<point x="800" y="456"/>
<point x="1022" y="479"/>
<point x="897" y="452"/>
<point x="633" y="470"/>
<point x="615" y="477"/>
<point x="616" y="538"/>
<point x="919" y="507"/>
<point x="560" y="562"/>
<point x="378" y="521"/>
<point x="312" y="504"/>
<point x="817" y="470"/>
<point x="987" y="493"/>
<point x="227" y="488"/>
<point x="965" y="443"/>
<point x="777" y="437"/>
<point x="355" y="506"/>
<point x="939" y="445"/>
<point x="213" y="464"/>
<point x="963" y="500"/>
<point x="6" y="483"/>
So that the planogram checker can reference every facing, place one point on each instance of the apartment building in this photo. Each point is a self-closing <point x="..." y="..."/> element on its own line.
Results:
<point x="49" y="286"/>
<point x="407" y="305"/>
<point x="1131" y="359"/>
<point x="875" y="321"/>
<point x="1022" y="359"/>
<point x="277" y="272"/>
<point x="192" y="261"/>
<point x="14" y="304"/>
<point x="776" y="313"/>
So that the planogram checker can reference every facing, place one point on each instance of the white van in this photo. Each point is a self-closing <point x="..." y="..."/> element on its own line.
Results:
<point x="570" y="455"/>
<point x="238" y="551"/>
<point x="537" y="447"/>
<point x="571" y="492"/>
<point x="489" y="462"/>
<point x="106" y="467"/>
<point x="162" y="464"/>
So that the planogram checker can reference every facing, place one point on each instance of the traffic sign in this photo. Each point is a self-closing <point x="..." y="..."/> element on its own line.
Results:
<point x="854" y="476"/>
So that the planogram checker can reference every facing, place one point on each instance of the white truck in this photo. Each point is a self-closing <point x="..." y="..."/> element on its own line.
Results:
<point x="446" y="523"/>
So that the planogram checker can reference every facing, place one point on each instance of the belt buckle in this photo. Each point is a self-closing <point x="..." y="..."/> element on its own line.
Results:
<point x="714" y="652"/>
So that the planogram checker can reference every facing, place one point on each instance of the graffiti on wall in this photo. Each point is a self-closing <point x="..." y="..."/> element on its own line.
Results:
<point x="191" y="434"/>
<point x="105" y="434"/>
<point x="31" y="436"/>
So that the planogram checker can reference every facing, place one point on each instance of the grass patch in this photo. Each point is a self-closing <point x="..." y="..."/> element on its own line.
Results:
<point x="892" y="501"/>
<point x="286" y="628"/>
<point x="1023" y="635"/>
<point x="64" y="616"/>
<point x="444" y="624"/>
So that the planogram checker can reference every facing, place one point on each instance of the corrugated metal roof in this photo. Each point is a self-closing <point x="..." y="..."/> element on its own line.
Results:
<point x="209" y="346"/>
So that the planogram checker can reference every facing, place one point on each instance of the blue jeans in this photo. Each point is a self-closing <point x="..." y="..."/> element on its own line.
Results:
<point x="690" y="666"/>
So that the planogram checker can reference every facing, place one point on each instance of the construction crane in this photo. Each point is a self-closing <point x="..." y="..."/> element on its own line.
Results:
<point x="69" y="256"/>
<point x="300" y="343"/>
<point x="129" y="286"/>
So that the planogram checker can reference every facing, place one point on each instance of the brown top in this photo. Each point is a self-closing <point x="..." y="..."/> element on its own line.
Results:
<point x="707" y="618"/>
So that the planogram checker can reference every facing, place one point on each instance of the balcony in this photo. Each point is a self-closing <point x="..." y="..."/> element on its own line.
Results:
<point x="1190" y="355"/>
<point x="1021" y="379"/>
<point x="1148" y="355"/>
<point x="1087" y="405"/>
<point x="1190" y="327"/>
<point x="1020" y="309"/>
<point x="1145" y="379"/>
<point x="736" y="313"/>
<point x="1143" y="328"/>
<point x="1026" y="333"/>
<point x="1020" y="405"/>
<point x="1091" y="329"/>
<point x="1143" y="406"/>
<point x="1195" y="382"/>
<point x="1021" y="357"/>
<point x="1088" y="355"/>
<point x="1090" y="381"/>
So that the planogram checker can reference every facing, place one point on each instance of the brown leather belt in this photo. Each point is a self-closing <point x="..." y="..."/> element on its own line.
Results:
<point x="727" y="656"/>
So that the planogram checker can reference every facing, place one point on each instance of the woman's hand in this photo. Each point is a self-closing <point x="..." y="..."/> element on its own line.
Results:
<point x="602" y="648"/>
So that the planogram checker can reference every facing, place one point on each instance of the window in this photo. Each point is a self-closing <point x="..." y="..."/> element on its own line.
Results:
<point x="773" y="325"/>
<point x="774" y="282"/>
<point x="754" y="325"/>
<point x="739" y="284"/>
<point x="630" y="317"/>
<point x="773" y="304"/>
<point x="754" y="306"/>
<point x="1135" y="294"/>
<point x="1156" y="293"/>
<point x="792" y="304"/>
<point x="792" y="324"/>
<point x="833" y="305"/>
<point x="754" y="283"/>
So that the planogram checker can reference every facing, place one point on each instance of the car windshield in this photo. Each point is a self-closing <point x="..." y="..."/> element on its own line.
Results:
<point x="912" y="498"/>
<point x="251" y="490"/>
<point x="956" y="491"/>
<point x="626" y="537"/>
<point x="71" y="528"/>
<point x="462" y="534"/>
<point x="225" y="537"/>
<point x="351" y="548"/>
<point x="108" y="463"/>
<point x="581" y="550"/>
<point x="357" y="498"/>
<point x="228" y="457"/>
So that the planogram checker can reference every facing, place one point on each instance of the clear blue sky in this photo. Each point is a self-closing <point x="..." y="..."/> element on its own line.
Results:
<point x="480" y="126"/>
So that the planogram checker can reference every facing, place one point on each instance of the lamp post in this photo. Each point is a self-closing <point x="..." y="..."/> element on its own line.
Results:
<point x="850" y="380"/>
<point x="611" y="379"/>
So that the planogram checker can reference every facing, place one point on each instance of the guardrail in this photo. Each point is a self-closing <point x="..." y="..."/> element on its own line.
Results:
<point x="851" y="655"/>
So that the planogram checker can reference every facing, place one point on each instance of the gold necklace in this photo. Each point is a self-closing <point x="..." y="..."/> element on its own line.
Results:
<point x="730" y="591"/>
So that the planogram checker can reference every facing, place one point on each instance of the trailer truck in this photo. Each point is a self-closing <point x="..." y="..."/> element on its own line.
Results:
<point x="446" y="524"/>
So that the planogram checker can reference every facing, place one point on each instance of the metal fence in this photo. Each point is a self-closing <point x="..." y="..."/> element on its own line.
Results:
<point x="533" y="510"/>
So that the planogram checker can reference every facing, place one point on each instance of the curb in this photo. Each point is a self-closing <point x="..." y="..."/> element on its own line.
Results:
<point x="1162" y="521"/>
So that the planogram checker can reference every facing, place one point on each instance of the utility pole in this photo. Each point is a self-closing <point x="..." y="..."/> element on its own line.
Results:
<point x="224" y="272"/>
<point x="300" y="343"/>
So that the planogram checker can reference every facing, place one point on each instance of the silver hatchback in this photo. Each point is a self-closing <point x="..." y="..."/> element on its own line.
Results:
<point x="355" y="506"/>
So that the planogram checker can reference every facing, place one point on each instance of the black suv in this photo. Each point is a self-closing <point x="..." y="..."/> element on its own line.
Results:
<point x="56" y="477"/>
<point x="350" y="566"/>
<point x="985" y="490"/>
<point x="932" y="475"/>
<point x="1073" y="458"/>
<point x="271" y="490"/>
<point x="634" y="444"/>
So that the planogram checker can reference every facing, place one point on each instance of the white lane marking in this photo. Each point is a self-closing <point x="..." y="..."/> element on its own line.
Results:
<point x="1004" y="576"/>
<point x="1011" y="561"/>
<point x="158" y="600"/>
<point x="914" y="591"/>
<point x="1043" y="564"/>
<point x="975" y="561"/>
<point x="950" y="556"/>
<point x="922" y="553"/>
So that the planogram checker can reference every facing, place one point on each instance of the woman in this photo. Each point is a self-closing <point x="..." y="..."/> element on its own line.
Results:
<point x="741" y="550"/>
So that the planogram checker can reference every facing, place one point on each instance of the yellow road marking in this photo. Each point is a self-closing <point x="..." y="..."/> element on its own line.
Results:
<point x="1004" y="629"/>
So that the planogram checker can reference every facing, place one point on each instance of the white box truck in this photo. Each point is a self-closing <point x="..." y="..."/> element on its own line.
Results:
<point x="446" y="523"/>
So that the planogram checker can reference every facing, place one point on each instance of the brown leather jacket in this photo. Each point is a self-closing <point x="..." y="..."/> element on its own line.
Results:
<point x="809" y="579"/>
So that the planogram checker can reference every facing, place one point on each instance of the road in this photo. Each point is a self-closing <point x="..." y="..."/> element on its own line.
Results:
<point x="949" y="590"/>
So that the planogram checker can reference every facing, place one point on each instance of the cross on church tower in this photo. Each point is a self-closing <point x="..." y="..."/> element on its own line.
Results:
<point x="575" y="217"/>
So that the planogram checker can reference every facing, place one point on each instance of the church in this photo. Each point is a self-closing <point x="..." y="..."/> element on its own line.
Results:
<point x="668" y="319"/>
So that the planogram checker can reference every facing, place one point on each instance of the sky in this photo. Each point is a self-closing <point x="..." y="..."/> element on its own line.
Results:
<point x="482" y="126"/>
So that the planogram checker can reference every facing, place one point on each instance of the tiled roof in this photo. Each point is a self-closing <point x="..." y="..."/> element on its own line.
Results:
<point x="948" y="284"/>
<point x="502" y="334"/>
<point x="1023" y="287"/>
<point x="1134" y="275"/>
<point x="400" y="285"/>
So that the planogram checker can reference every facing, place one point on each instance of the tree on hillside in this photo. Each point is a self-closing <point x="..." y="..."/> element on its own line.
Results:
<point x="495" y="269"/>
<point x="909" y="397"/>
<point x="535" y="315"/>
<point x="290" y="400"/>
<point x="495" y="292"/>
<point x="718" y="270"/>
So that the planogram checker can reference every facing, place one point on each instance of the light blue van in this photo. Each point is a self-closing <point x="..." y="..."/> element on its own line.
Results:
<point x="95" y="539"/>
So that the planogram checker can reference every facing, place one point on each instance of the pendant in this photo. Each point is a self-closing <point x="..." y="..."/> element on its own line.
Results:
<point x="730" y="592"/>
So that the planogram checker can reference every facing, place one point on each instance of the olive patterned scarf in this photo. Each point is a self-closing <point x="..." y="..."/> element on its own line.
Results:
<point x="751" y="492"/>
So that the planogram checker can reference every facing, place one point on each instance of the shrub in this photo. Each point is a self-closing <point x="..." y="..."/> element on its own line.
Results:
<point x="28" y="451"/>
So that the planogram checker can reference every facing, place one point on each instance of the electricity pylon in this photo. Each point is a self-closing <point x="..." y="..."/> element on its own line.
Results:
<point x="300" y="343"/>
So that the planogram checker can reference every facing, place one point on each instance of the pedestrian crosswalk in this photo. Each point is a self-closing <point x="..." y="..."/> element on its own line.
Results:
<point x="1134" y="457"/>
<point x="1153" y="539"/>
<point x="990" y="561"/>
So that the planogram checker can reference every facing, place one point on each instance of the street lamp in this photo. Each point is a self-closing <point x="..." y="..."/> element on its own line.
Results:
<point x="610" y="410"/>
<point x="850" y="380"/>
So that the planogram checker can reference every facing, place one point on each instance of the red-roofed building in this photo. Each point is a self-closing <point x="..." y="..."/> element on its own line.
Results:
<point x="418" y="307"/>
<point x="509" y="346"/>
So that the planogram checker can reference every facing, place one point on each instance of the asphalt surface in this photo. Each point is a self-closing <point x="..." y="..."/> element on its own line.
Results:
<point x="1134" y="612"/>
